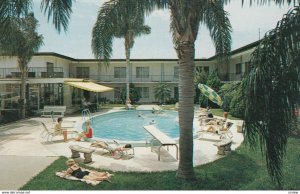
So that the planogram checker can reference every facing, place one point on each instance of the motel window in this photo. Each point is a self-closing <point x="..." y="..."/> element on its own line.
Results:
<point x="142" y="72"/>
<point x="83" y="72"/>
<point x="50" y="67"/>
<point x="238" y="68"/>
<point x="120" y="72"/>
<point x="143" y="91"/>
<point x="176" y="72"/>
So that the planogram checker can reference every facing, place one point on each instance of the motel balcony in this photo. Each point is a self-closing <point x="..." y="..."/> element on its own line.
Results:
<point x="33" y="72"/>
<point x="132" y="78"/>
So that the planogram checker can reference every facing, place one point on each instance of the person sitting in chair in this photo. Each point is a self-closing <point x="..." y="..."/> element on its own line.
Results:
<point x="57" y="127"/>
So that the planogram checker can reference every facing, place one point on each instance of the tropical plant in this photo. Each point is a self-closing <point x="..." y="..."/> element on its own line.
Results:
<point x="200" y="77"/>
<point x="12" y="12"/>
<point x="227" y="92"/>
<point x="272" y="89"/>
<point x="237" y="103"/>
<point x="134" y="94"/>
<point x="26" y="42"/>
<point x="213" y="81"/>
<point x="162" y="92"/>
<point x="123" y="20"/>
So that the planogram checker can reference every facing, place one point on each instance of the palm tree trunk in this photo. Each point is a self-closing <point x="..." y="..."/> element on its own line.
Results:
<point x="23" y="92"/>
<point x="186" y="54"/>
<point x="127" y="53"/>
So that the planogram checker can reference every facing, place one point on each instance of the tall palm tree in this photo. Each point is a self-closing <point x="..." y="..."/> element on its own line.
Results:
<point x="120" y="21"/>
<point x="272" y="91"/>
<point x="186" y="17"/>
<point x="26" y="42"/>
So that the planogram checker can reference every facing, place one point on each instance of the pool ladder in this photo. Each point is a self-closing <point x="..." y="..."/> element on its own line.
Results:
<point x="86" y="114"/>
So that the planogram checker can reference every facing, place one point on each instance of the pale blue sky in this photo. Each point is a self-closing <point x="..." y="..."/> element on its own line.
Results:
<point x="246" y="22"/>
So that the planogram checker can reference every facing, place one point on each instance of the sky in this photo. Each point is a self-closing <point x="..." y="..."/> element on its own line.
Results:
<point x="248" y="23"/>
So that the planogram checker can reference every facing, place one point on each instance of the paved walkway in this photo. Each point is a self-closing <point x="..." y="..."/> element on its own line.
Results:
<point x="23" y="153"/>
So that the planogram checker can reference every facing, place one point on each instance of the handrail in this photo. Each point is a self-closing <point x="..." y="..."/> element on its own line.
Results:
<point x="86" y="113"/>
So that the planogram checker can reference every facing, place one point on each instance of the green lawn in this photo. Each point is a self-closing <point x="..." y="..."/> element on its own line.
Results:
<point x="243" y="169"/>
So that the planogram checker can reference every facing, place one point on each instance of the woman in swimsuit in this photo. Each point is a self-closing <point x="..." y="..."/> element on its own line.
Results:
<point x="87" y="134"/>
<point x="76" y="171"/>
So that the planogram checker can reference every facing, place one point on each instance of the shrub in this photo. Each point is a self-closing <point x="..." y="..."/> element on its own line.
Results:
<point x="227" y="92"/>
<point x="134" y="94"/>
<point x="237" y="104"/>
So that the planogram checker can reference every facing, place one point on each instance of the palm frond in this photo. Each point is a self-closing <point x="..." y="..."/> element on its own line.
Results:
<point x="117" y="19"/>
<point x="9" y="11"/>
<point x="59" y="10"/>
<point x="272" y="89"/>
<point x="263" y="2"/>
<point x="218" y="23"/>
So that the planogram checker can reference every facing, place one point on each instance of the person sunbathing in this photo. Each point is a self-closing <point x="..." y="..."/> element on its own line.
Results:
<point x="214" y="129"/>
<point x="75" y="170"/>
<point x="113" y="149"/>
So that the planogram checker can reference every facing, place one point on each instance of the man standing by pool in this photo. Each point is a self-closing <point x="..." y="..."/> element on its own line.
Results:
<point x="87" y="134"/>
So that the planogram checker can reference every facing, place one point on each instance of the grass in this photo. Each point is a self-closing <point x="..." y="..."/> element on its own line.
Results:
<point x="243" y="169"/>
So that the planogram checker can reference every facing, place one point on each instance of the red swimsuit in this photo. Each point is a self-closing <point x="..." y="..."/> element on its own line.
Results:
<point x="90" y="133"/>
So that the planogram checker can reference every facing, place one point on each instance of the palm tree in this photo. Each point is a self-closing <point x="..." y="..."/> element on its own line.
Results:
<point x="59" y="10"/>
<point x="121" y="21"/>
<point x="26" y="42"/>
<point x="272" y="91"/>
<point x="162" y="92"/>
<point x="186" y="17"/>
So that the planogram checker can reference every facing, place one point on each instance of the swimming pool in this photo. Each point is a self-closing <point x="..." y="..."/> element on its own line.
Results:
<point x="128" y="125"/>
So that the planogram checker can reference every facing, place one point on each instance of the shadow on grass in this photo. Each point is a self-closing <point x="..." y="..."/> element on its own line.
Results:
<point x="228" y="173"/>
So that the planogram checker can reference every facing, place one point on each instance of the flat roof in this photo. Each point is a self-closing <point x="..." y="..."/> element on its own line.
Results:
<point x="241" y="49"/>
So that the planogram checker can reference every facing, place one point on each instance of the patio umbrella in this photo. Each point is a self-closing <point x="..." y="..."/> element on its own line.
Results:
<point x="210" y="94"/>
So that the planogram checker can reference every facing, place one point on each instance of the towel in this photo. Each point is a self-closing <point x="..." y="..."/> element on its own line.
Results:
<point x="93" y="183"/>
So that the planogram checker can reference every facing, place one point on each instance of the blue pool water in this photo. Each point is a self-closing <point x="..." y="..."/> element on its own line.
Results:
<point x="128" y="126"/>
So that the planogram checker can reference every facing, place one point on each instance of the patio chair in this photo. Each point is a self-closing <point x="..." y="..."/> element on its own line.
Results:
<point x="48" y="134"/>
<point x="114" y="147"/>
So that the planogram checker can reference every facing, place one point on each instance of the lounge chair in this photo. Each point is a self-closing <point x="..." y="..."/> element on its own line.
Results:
<point x="223" y="131"/>
<point x="113" y="148"/>
<point x="49" y="134"/>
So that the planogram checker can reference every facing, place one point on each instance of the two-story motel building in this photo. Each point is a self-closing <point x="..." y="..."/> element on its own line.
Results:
<point x="50" y="73"/>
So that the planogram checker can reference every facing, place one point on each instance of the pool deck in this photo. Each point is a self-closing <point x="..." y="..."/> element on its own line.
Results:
<point x="23" y="153"/>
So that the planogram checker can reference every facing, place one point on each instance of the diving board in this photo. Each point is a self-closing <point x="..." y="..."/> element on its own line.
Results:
<point x="163" y="139"/>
